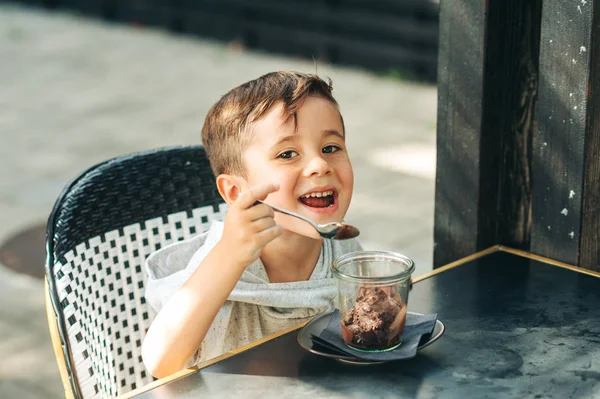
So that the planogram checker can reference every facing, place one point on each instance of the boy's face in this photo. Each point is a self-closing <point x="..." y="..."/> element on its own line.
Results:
<point x="310" y="163"/>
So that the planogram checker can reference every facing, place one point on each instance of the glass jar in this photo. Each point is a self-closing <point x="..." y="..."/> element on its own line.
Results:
<point x="373" y="291"/>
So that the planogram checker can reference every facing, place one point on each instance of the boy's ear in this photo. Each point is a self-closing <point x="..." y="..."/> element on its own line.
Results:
<point x="230" y="187"/>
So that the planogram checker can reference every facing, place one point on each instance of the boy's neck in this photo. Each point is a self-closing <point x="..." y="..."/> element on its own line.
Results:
<point x="291" y="257"/>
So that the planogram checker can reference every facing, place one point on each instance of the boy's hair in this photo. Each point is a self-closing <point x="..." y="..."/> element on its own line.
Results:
<point x="225" y="132"/>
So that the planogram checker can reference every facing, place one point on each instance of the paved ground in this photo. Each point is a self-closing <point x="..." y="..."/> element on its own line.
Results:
<point x="74" y="92"/>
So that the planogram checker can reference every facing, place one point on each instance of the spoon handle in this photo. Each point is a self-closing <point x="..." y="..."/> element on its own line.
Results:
<point x="280" y="210"/>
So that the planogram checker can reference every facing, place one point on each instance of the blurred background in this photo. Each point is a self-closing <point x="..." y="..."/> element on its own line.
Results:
<point x="82" y="81"/>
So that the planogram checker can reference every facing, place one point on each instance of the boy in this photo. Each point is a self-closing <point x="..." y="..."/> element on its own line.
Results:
<point x="281" y="138"/>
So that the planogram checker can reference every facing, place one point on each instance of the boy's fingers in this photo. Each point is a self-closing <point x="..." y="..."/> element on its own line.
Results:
<point x="258" y="212"/>
<point x="263" y="224"/>
<point x="249" y="197"/>
<point x="268" y="235"/>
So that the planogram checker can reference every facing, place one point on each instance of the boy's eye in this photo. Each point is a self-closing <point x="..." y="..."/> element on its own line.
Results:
<point x="287" y="154"/>
<point x="330" y="149"/>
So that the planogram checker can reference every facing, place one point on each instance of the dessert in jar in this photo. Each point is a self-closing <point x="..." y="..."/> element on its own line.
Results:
<point x="373" y="291"/>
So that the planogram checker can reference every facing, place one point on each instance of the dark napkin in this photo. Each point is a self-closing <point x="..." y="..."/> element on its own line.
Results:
<point x="416" y="326"/>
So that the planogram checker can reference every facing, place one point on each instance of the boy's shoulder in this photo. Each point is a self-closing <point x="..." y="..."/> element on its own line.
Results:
<point x="168" y="268"/>
<point x="176" y="256"/>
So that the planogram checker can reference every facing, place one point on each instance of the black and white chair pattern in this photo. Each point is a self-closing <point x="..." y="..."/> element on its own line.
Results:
<point x="102" y="228"/>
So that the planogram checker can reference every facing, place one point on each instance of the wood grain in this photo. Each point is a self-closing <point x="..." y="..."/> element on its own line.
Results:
<point x="460" y="107"/>
<point x="566" y="161"/>
<point x="589" y="251"/>
<point x="487" y="90"/>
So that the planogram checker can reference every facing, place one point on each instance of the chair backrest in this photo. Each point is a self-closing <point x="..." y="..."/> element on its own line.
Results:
<point x="102" y="228"/>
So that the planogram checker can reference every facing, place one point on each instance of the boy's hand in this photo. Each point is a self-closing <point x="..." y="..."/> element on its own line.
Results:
<point x="248" y="227"/>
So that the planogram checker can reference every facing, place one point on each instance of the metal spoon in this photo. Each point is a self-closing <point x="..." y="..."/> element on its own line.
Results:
<point x="333" y="230"/>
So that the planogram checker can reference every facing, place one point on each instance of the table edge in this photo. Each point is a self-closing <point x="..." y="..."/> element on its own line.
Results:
<point x="549" y="261"/>
<point x="502" y="248"/>
<point x="452" y="265"/>
<point x="458" y="262"/>
<point x="191" y="370"/>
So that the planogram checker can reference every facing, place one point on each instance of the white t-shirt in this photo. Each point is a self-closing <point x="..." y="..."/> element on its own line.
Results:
<point x="255" y="308"/>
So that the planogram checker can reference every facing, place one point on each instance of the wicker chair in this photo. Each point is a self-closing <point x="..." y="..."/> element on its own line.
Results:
<point x="102" y="228"/>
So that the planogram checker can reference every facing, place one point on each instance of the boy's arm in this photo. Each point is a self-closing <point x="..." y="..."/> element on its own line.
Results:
<point x="181" y="325"/>
<point x="179" y="328"/>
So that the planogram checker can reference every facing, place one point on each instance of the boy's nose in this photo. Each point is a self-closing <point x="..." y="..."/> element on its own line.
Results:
<point x="317" y="167"/>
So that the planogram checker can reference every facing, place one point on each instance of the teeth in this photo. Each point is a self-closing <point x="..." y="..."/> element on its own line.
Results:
<point x="318" y="195"/>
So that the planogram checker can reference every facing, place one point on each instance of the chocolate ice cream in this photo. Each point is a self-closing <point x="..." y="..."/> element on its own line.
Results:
<point x="376" y="321"/>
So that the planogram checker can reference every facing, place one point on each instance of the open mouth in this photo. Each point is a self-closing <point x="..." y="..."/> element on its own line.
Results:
<point x="322" y="199"/>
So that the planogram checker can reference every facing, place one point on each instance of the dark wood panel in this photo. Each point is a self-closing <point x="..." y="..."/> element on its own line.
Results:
<point x="510" y="93"/>
<point x="381" y="27"/>
<point x="460" y="109"/>
<point x="421" y="9"/>
<point x="98" y="8"/>
<point x="559" y="164"/>
<point x="590" y="225"/>
<point x="219" y="24"/>
<point x="337" y="48"/>
<point x="339" y="18"/>
<point x="288" y="40"/>
<point x="162" y="16"/>
<point x="313" y="15"/>
<point x="487" y="80"/>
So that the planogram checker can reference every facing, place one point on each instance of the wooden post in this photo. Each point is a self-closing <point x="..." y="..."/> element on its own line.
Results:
<point x="487" y="80"/>
<point x="566" y="152"/>
<point x="519" y="129"/>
